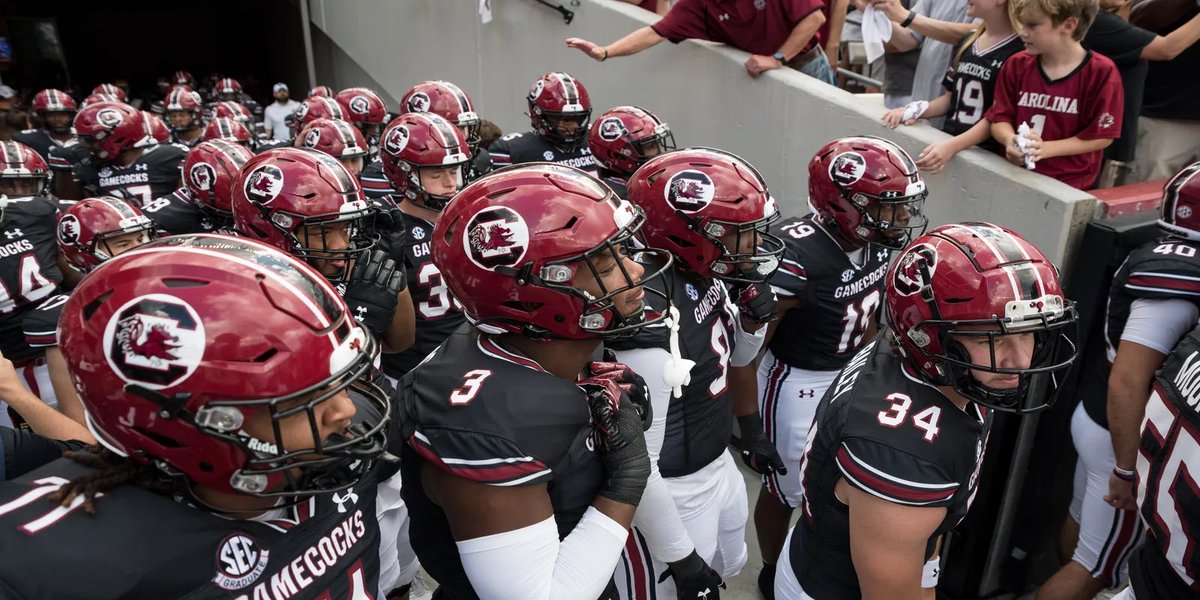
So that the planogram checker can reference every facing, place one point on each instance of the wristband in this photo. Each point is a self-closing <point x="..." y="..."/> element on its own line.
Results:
<point x="909" y="19"/>
<point x="1123" y="474"/>
<point x="605" y="54"/>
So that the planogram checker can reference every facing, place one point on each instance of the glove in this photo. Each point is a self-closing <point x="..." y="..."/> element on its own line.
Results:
<point x="757" y="303"/>
<point x="617" y="427"/>
<point x="372" y="291"/>
<point x="388" y="218"/>
<point x="628" y="382"/>
<point x="694" y="579"/>
<point x="757" y="451"/>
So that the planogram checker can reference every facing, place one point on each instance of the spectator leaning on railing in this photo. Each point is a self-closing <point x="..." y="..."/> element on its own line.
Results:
<point x="776" y="32"/>
<point x="936" y="26"/>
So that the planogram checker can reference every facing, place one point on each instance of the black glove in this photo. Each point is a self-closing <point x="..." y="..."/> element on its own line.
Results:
<point x="627" y="381"/>
<point x="372" y="291"/>
<point x="694" y="579"/>
<point x="757" y="303"/>
<point x="388" y="218"/>
<point x="617" y="427"/>
<point x="757" y="451"/>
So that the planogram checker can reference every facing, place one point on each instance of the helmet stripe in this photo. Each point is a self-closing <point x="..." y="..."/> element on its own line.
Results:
<point x="1000" y="257"/>
<point x="569" y="87"/>
<point x="464" y="105"/>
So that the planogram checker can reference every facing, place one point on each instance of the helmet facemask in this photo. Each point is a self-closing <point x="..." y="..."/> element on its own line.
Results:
<point x="731" y="265"/>
<point x="551" y="122"/>
<point x="313" y="237"/>
<point x="23" y="185"/>
<point x="890" y="214"/>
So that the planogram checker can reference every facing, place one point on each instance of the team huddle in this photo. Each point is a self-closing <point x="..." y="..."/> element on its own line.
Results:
<point x="316" y="367"/>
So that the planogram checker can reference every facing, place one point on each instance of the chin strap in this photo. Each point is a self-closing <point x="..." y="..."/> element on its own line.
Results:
<point x="677" y="372"/>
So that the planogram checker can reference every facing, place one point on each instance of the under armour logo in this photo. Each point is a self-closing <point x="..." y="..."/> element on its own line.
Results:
<point x="13" y="233"/>
<point x="806" y="394"/>
<point x="141" y="167"/>
<point x="704" y="594"/>
<point x="360" y="313"/>
<point x="936" y="571"/>
<point x="882" y="254"/>
<point x="724" y="17"/>
<point x="341" y="500"/>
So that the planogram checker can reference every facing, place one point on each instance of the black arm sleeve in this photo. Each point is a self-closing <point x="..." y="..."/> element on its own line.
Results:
<point x="24" y="451"/>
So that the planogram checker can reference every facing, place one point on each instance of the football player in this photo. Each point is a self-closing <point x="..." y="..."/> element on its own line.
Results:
<point x="230" y="130"/>
<point x="316" y="108"/>
<point x="157" y="131"/>
<point x="559" y="112"/>
<point x="1162" y="566"/>
<point x="117" y="164"/>
<point x="1151" y="305"/>
<point x="89" y="233"/>
<point x="204" y="203"/>
<point x="366" y="111"/>
<point x="978" y="323"/>
<point x="29" y="262"/>
<point x="623" y="139"/>
<point x="183" y="112"/>
<point x="451" y="103"/>
<point x="112" y="90"/>
<point x="228" y="89"/>
<point x="425" y="158"/>
<point x="525" y="460"/>
<point x="711" y="210"/>
<point x="306" y="203"/>
<point x="241" y="434"/>
<point x="321" y="91"/>
<point x="830" y="287"/>
<point x="54" y="110"/>
<point x="338" y="139"/>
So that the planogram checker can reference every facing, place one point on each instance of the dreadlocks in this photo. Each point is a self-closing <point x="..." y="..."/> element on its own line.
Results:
<point x="112" y="470"/>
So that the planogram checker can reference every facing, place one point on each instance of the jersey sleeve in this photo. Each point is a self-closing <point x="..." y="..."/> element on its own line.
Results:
<point x="1105" y="104"/>
<point x="61" y="159"/>
<point x="893" y="475"/>
<point x="790" y="280"/>
<point x="501" y="150"/>
<point x="1003" y="108"/>
<point x="480" y="457"/>
<point x="40" y="325"/>
<point x="174" y="214"/>
<point x="1163" y="278"/>
<point x="374" y="183"/>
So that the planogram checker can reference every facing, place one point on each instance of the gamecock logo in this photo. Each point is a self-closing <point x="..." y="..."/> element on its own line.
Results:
<point x="263" y="184"/>
<point x="155" y="340"/>
<point x="202" y="176"/>
<point x="496" y="237"/>
<point x="914" y="269"/>
<point x="68" y="230"/>
<point x="109" y="117"/>
<point x="360" y="105"/>
<point x="396" y="140"/>
<point x="847" y="168"/>
<point x="611" y="129"/>
<point x="690" y="190"/>
<point x="419" y="102"/>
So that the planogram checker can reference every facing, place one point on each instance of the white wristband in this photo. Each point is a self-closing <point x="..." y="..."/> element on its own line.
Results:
<point x="930" y="574"/>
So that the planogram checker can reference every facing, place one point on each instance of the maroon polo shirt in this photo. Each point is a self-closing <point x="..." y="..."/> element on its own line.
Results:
<point x="756" y="26"/>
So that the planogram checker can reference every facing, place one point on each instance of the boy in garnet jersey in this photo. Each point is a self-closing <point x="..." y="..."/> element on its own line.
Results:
<point x="1071" y="97"/>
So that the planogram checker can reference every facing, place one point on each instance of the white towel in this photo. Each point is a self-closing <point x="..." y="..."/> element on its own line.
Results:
<point x="876" y="29"/>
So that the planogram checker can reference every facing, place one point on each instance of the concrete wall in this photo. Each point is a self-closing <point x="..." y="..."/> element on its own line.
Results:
<point x="701" y="89"/>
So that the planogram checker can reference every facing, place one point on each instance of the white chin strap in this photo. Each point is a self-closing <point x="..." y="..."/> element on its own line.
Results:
<point x="677" y="371"/>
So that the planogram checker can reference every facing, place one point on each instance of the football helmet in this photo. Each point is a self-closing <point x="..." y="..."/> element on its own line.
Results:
<point x="183" y="110"/>
<point x="156" y="130"/>
<point x="109" y="128"/>
<point x="980" y="281"/>
<point x="224" y="128"/>
<point x="414" y="141"/>
<point x="447" y="101"/>
<point x="97" y="98"/>
<point x="1179" y="213"/>
<point x="169" y="376"/>
<point x="711" y="210"/>
<point x="111" y="90"/>
<point x="625" y="137"/>
<point x="22" y="163"/>
<point x="321" y="91"/>
<point x="183" y="78"/>
<point x="50" y="101"/>
<point x="867" y="190"/>
<point x="208" y="172"/>
<point x="365" y="109"/>
<point x="511" y="244"/>
<point x="315" y="108"/>
<point x="234" y="110"/>
<point x="338" y="139"/>
<point x="559" y="99"/>
<point x="86" y="228"/>
<point x="226" y="87"/>
<point x="305" y="203"/>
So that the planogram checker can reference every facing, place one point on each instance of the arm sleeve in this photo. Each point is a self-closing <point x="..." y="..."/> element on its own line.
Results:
<point x="1160" y="324"/>
<point x="392" y="516"/>
<point x="684" y="21"/>
<point x="657" y="516"/>
<point x="530" y="563"/>
<point x="746" y="344"/>
<point x="892" y="475"/>
<point x="1106" y="106"/>
<point x="1002" y="110"/>
<point x="24" y="451"/>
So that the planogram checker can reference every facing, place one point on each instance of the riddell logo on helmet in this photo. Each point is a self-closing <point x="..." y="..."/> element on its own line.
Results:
<point x="68" y="230"/>
<point x="397" y="140"/>
<point x="419" y="102"/>
<point x="155" y="341"/>
<point x="611" y="129"/>
<point x="690" y="190"/>
<point x="109" y="117"/>
<point x="264" y="184"/>
<point x="915" y="270"/>
<point x="496" y="237"/>
<point x="201" y="175"/>
<point x="847" y="168"/>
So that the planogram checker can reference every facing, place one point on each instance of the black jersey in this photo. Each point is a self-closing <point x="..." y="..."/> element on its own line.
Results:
<point x="517" y="148"/>
<point x="891" y="435"/>
<point x="40" y="325"/>
<point x="145" y="545"/>
<point x="1166" y="566"/>
<point x="28" y="269"/>
<point x="480" y="412"/>
<point x="838" y="299"/>
<point x="481" y="164"/>
<point x="62" y="159"/>
<point x="153" y="174"/>
<point x="177" y="214"/>
<point x="39" y="140"/>
<point x="1165" y="269"/>
<point x="438" y="314"/>
<point x="972" y="84"/>
<point x="175" y="139"/>
<point x="374" y="183"/>
<point x="700" y="421"/>
<point x="619" y="185"/>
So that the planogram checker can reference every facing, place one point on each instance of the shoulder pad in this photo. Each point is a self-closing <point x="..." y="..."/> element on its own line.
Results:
<point x="893" y="475"/>
<point x="1165" y="269"/>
